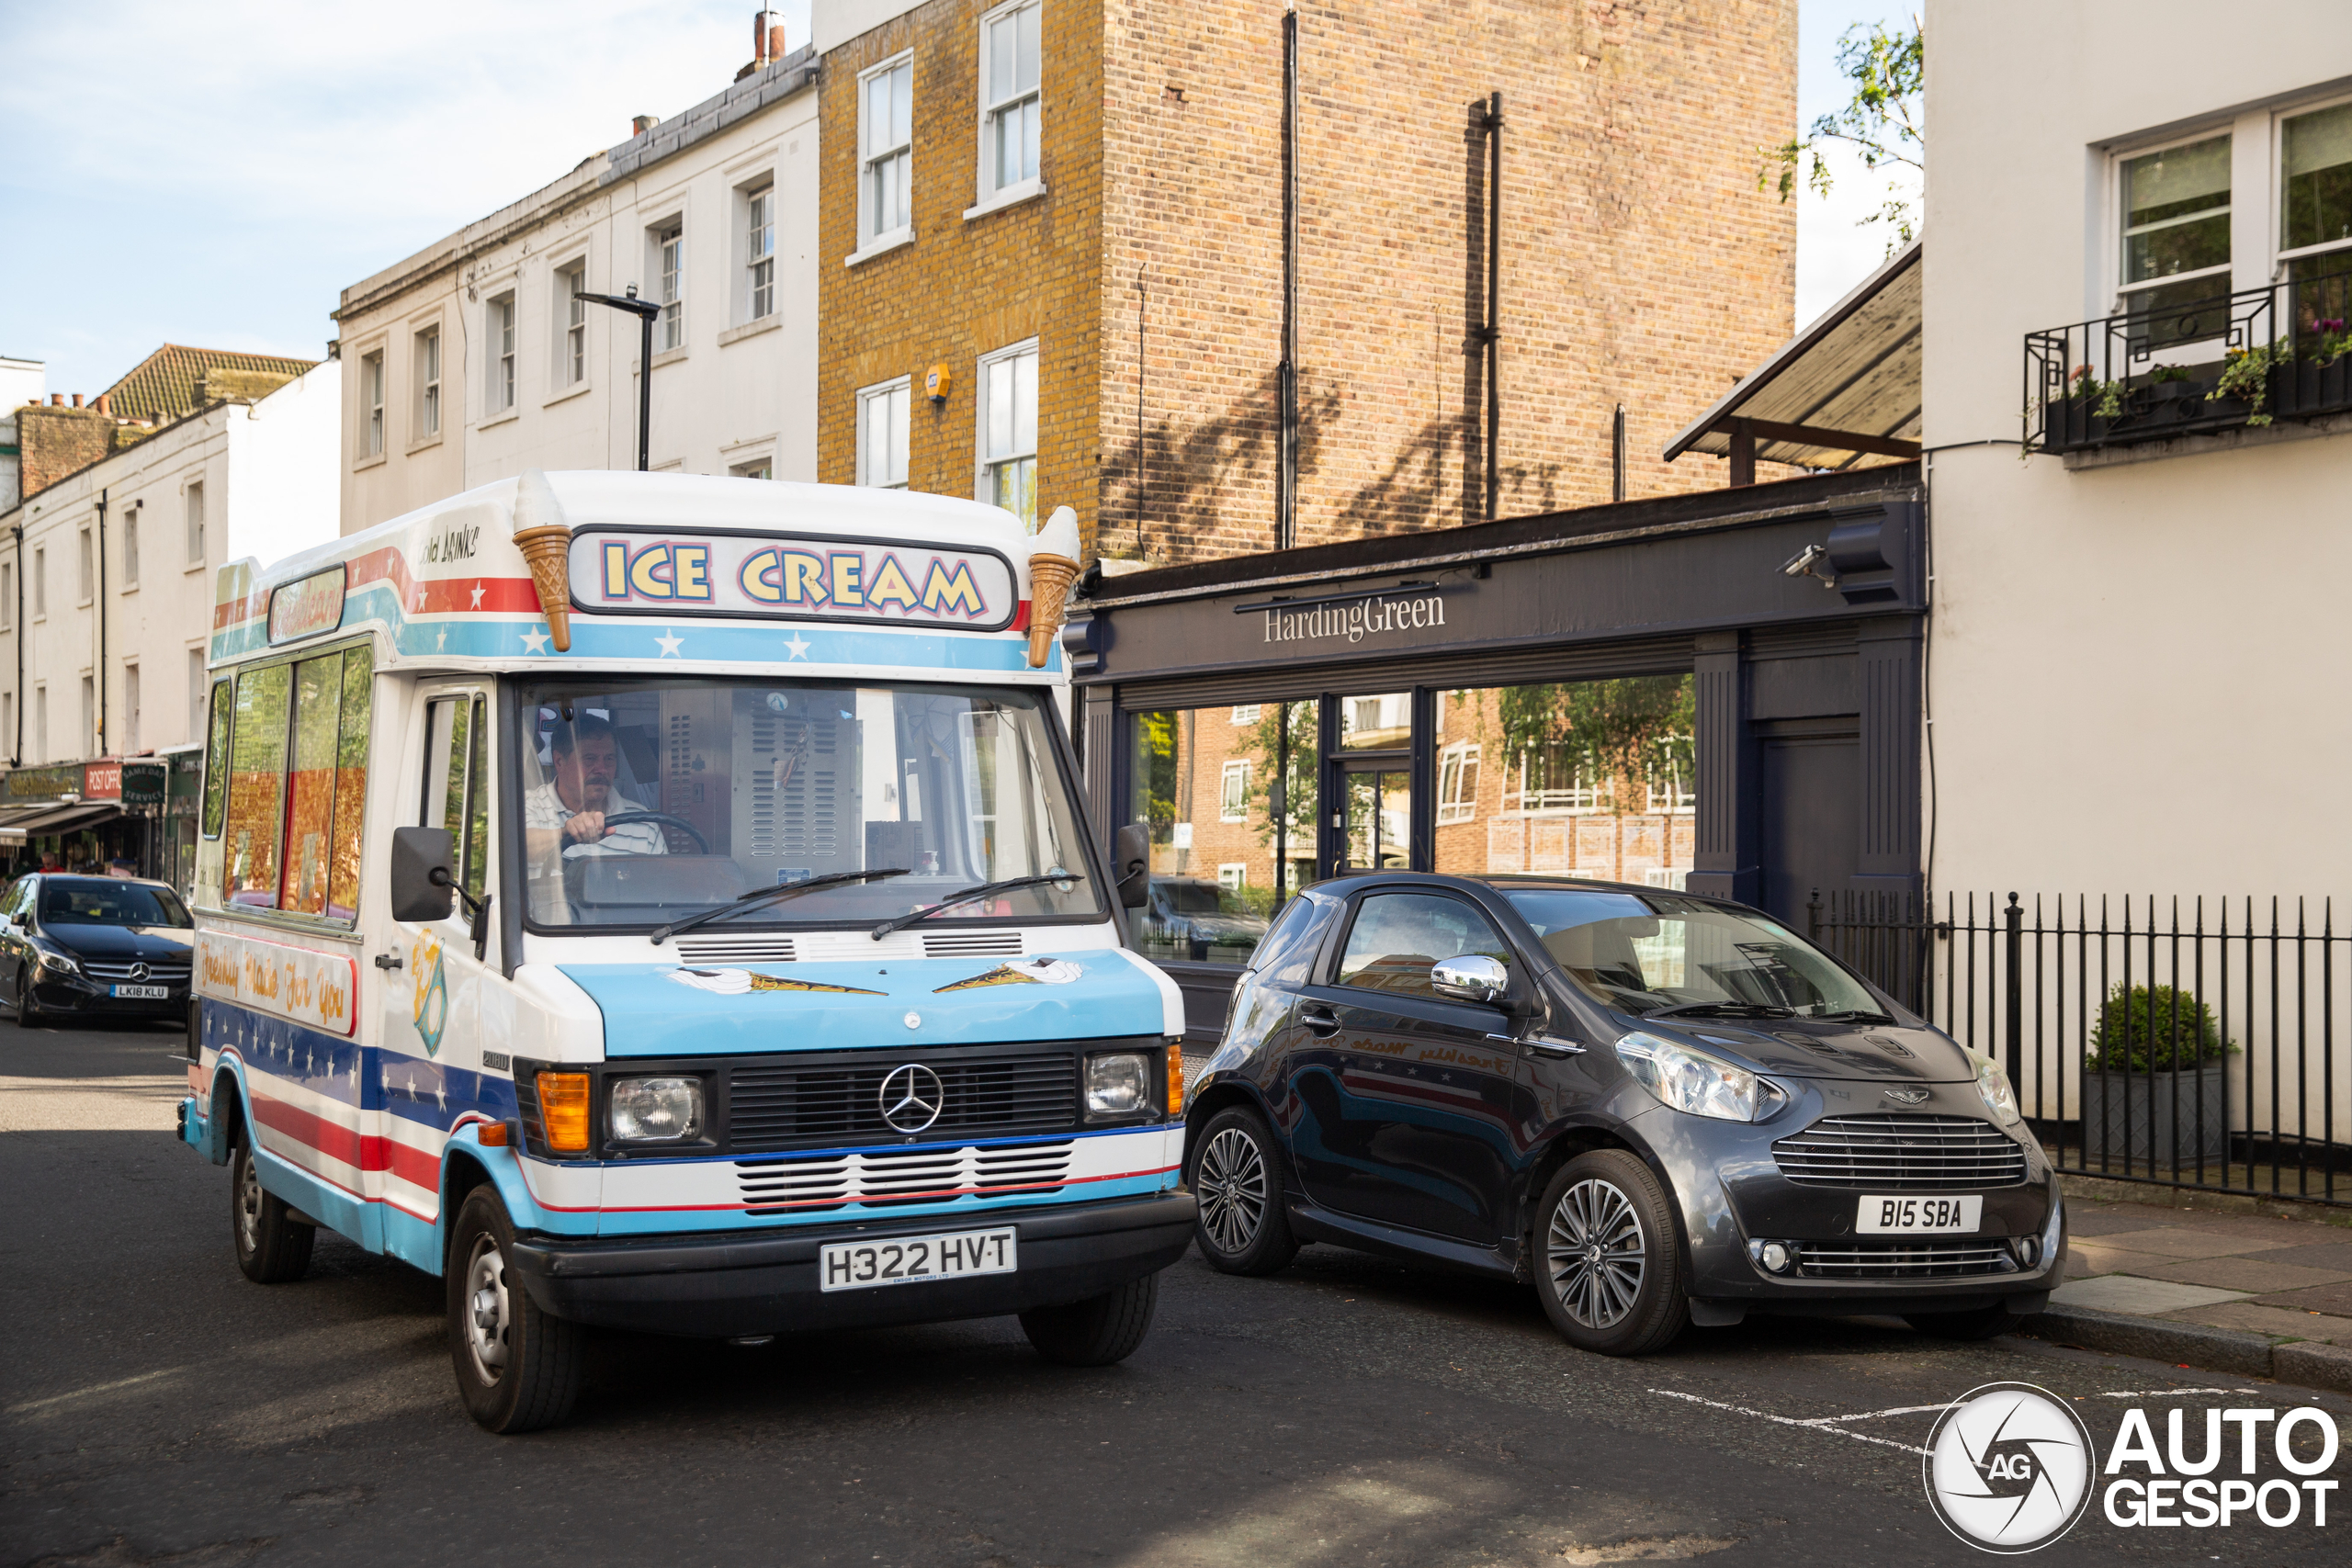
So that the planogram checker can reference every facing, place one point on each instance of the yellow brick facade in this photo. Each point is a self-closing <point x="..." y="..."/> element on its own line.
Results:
<point x="1640" y="263"/>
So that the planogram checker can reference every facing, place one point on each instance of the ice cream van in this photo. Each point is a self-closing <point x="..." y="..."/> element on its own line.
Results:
<point x="662" y="903"/>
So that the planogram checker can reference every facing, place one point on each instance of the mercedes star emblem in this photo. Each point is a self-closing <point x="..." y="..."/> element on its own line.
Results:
<point x="139" y="971"/>
<point x="912" y="1098"/>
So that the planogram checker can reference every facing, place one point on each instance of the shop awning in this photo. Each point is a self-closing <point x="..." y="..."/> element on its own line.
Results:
<point x="55" y="819"/>
<point x="1844" y="389"/>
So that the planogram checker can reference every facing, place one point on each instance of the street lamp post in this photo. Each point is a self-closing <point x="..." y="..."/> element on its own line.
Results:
<point x="644" y="310"/>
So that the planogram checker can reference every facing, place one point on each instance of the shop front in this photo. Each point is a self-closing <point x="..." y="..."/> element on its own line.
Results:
<point x="96" y="816"/>
<point x="1717" y="693"/>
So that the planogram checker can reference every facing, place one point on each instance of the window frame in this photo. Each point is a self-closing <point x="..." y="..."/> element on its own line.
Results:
<point x="192" y="520"/>
<point x="1227" y="811"/>
<point x="372" y="403"/>
<point x="129" y="548"/>
<point x="1336" y="954"/>
<point x="501" y="338"/>
<point x="2282" y="255"/>
<point x="665" y="240"/>
<point x="1463" y="760"/>
<point x="752" y="200"/>
<point x="985" y="466"/>
<point x="870" y="239"/>
<point x="86" y="581"/>
<point x="567" y="319"/>
<point x="992" y="192"/>
<point x="867" y="397"/>
<point x="425" y="354"/>
<point x="213" y="825"/>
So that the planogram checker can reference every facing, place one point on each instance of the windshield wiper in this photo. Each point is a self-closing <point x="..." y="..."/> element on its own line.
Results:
<point x="966" y="897"/>
<point x="1856" y="1015"/>
<point x="759" y="895"/>
<point x="1722" y="1009"/>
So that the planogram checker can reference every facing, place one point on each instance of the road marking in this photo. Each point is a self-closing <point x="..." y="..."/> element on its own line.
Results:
<point x="88" y="1392"/>
<point x="2166" y="1392"/>
<point x="1792" y="1421"/>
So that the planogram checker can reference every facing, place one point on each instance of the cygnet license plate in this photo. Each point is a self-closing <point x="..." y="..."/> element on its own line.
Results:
<point x="1906" y="1216"/>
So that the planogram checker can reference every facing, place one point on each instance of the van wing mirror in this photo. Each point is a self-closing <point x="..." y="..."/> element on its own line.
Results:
<point x="417" y="854"/>
<point x="1131" y="864"/>
<point x="1472" y="977"/>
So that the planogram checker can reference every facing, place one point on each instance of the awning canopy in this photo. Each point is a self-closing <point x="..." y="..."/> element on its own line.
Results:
<point x="55" y="819"/>
<point x="1844" y="389"/>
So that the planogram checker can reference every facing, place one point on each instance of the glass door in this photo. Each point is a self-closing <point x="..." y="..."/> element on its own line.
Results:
<point x="1380" y="817"/>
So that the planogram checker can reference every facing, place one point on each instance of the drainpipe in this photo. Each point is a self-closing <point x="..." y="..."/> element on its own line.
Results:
<point x="1492" y="332"/>
<point x="1286" y="458"/>
<point x="17" y="744"/>
<point x="98" y="740"/>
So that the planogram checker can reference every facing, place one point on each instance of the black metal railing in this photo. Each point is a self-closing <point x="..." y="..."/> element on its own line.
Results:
<point x="2191" y="365"/>
<point x="2191" y="1042"/>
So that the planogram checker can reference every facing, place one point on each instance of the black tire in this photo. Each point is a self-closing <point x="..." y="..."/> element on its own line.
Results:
<point x="1608" y="1264"/>
<point x="1096" y="1332"/>
<point x="271" y="1247"/>
<point x="1238" y="1175"/>
<point x="518" y="1368"/>
<point x="28" y="1015"/>
<point x="1984" y="1323"/>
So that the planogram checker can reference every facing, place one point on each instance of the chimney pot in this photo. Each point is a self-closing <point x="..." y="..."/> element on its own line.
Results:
<point x="77" y="399"/>
<point x="102" y="404"/>
<point x="642" y="123"/>
<point x="775" y="43"/>
<point x="57" y="399"/>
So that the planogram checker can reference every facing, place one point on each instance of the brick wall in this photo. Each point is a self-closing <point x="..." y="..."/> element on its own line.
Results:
<point x="964" y="288"/>
<point x="55" y="442"/>
<point x="1640" y="263"/>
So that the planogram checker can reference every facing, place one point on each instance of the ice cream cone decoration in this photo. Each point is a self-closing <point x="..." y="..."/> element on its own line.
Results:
<point x="544" y="540"/>
<point x="1052" y="570"/>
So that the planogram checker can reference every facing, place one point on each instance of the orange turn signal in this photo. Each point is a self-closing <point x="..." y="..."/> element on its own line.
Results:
<point x="1175" y="1077"/>
<point x="491" y="1135"/>
<point x="563" y="1110"/>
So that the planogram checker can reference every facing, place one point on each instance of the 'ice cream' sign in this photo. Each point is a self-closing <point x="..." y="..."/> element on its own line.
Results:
<point x="791" y="577"/>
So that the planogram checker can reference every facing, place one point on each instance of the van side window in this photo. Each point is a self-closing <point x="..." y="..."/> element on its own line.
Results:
<point x="258" y="787"/>
<point x="351" y="781"/>
<point x="457" y="782"/>
<point x="216" y="760"/>
<point x="317" y="704"/>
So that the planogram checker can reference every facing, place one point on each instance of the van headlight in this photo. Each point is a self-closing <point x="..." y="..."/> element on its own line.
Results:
<point x="2000" y="1095"/>
<point x="1689" y="1079"/>
<point x="1118" y="1083"/>
<point x="656" y="1110"/>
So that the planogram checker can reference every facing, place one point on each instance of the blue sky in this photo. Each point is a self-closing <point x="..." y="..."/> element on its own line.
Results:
<point x="217" y="173"/>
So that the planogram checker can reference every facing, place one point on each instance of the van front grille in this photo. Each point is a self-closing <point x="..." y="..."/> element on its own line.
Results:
<point x="796" y="1104"/>
<point x="881" y="1179"/>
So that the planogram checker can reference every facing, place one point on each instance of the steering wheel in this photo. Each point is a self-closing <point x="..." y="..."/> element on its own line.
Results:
<point x="626" y="818"/>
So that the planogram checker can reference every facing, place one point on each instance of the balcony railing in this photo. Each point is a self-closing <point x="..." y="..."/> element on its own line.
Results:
<point x="2192" y="367"/>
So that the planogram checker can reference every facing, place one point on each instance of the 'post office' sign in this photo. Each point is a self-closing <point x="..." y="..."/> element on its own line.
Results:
<point x="792" y="577"/>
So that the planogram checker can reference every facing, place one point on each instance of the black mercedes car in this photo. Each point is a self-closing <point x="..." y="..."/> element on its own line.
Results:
<point x="93" y="946"/>
<point x="1660" y="1108"/>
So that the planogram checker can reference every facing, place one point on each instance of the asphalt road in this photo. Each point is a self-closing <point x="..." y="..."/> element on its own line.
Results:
<point x="156" y="1409"/>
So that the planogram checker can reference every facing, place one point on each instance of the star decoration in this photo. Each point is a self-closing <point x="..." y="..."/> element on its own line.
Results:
<point x="535" y="640"/>
<point x="670" y="639"/>
<point x="798" y="646"/>
<point x="442" y="641"/>
<point x="412" y="1085"/>
<point x="441" y="1094"/>
<point x="478" y="593"/>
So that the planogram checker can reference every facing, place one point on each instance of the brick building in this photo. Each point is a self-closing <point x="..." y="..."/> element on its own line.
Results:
<point x="1052" y="236"/>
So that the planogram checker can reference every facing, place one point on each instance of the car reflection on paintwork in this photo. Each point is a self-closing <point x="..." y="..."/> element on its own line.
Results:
<point x="1189" y="916"/>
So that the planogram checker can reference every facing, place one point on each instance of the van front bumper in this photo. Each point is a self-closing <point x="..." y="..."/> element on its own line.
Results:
<point x="710" y="1286"/>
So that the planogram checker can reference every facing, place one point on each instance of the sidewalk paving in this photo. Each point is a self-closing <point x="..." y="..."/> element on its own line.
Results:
<point x="2227" y="1284"/>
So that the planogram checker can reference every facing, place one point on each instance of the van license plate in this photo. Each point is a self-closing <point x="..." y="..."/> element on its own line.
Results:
<point x="1907" y="1216"/>
<point x="141" y="993"/>
<point x="904" y="1259"/>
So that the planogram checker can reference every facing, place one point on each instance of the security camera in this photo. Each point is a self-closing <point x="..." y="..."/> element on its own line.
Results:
<point x="1802" y="564"/>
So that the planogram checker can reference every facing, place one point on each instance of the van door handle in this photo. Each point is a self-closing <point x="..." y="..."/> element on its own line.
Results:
<point x="1321" y="1020"/>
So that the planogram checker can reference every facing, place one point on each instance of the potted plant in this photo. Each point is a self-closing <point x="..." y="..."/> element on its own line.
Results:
<point x="2246" y="373"/>
<point x="2153" y="1080"/>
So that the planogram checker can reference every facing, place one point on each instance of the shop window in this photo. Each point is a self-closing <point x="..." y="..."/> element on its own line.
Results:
<point x="1381" y="723"/>
<point x="1231" y="811"/>
<point x="1594" y="779"/>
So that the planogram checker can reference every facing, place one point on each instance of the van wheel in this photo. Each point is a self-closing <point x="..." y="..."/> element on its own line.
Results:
<point x="1607" y="1265"/>
<point x="271" y="1248"/>
<point x="1984" y="1323"/>
<point x="518" y="1368"/>
<point x="1237" y="1176"/>
<point x="1096" y="1332"/>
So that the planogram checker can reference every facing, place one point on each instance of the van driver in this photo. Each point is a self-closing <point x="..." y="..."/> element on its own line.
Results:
<point x="570" y="810"/>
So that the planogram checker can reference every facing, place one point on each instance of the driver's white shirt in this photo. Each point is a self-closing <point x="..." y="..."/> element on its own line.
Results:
<point x="543" y="809"/>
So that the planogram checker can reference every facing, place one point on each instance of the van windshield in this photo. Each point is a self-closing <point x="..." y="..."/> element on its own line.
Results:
<point x="1655" y="953"/>
<point x="642" y="803"/>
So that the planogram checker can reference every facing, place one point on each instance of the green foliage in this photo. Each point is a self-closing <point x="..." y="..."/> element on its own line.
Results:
<point x="1619" y="731"/>
<point x="1155" y="771"/>
<point x="1884" y="120"/>
<point x="2171" y="373"/>
<point x="2155" y="1027"/>
<point x="1298" y="788"/>
<point x="2246" y="374"/>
